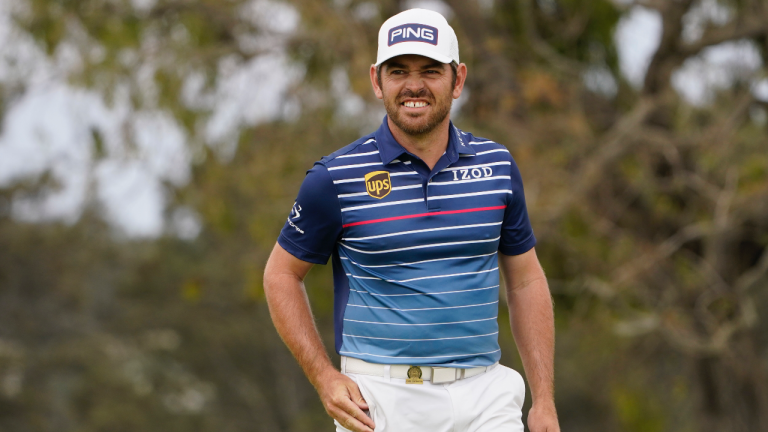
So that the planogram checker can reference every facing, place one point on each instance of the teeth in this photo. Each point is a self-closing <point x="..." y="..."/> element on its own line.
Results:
<point x="412" y="104"/>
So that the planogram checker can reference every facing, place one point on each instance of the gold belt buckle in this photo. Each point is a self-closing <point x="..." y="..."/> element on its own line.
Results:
<point x="414" y="375"/>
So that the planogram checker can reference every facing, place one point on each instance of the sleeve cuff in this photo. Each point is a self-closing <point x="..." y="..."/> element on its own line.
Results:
<point x="519" y="248"/>
<point x="298" y="252"/>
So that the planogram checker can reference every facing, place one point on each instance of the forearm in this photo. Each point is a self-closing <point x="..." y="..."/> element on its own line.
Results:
<point x="289" y="308"/>
<point x="532" y="321"/>
<point x="292" y="316"/>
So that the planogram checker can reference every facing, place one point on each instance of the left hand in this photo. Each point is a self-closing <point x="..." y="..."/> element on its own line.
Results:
<point x="543" y="418"/>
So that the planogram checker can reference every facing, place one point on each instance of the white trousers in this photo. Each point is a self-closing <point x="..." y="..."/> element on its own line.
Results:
<point x="489" y="402"/>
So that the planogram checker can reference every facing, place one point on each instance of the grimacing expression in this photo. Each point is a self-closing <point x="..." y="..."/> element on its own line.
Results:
<point x="417" y="92"/>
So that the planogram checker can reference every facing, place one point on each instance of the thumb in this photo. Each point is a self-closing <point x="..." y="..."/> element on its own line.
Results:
<point x="357" y="397"/>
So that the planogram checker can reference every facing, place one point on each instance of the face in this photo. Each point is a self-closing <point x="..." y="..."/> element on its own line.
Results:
<point x="417" y="91"/>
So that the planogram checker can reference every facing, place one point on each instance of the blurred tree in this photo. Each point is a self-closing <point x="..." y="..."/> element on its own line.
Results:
<point x="651" y="214"/>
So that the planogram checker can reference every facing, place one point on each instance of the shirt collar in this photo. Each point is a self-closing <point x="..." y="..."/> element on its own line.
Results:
<point x="390" y="149"/>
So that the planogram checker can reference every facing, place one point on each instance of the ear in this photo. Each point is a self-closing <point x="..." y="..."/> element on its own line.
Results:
<point x="375" y="83"/>
<point x="461" y="78"/>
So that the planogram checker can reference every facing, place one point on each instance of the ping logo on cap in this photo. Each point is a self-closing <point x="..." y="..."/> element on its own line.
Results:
<point x="412" y="33"/>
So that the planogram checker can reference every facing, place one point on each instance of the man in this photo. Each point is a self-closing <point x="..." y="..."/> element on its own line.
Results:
<point x="418" y="218"/>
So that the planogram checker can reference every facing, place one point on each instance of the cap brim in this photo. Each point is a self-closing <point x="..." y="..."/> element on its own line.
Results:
<point x="413" y="48"/>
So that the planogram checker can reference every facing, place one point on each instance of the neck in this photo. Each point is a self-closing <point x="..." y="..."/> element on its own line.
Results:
<point x="429" y="146"/>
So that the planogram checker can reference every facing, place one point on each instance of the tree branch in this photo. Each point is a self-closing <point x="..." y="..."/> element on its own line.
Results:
<point x="667" y="57"/>
<point x="616" y="142"/>
<point x="751" y="27"/>
<point x="725" y="199"/>
<point x="664" y="250"/>
<point x="717" y="342"/>
<point x="750" y="278"/>
<point x="723" y="130"/>
<point x="659" y="5"/>
<point x="564" y="65"/>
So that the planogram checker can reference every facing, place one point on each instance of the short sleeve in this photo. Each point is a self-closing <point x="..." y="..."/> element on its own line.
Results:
<point x="516" y="232"/>
<point x="314" y="224"/>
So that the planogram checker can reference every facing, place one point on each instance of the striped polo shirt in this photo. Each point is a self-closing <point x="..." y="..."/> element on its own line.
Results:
<point x="414" y="249"/>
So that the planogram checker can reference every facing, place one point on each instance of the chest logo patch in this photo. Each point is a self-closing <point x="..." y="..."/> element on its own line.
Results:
<point x="378" y="184"/>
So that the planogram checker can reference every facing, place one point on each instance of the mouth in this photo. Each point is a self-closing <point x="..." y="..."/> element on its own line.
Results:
<point x="415" y="104"/>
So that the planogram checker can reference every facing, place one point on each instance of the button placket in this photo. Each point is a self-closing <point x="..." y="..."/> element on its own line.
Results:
<point x="431" y="204"/>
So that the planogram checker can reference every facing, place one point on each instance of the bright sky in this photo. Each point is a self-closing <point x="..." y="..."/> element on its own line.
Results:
<point x="50" y="124"/>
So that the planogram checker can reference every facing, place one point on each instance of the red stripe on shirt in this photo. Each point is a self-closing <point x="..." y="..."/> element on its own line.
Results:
<point x="422" y="215"/>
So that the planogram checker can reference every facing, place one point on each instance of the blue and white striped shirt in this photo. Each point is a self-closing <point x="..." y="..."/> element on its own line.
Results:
<point x="414" y="250"/>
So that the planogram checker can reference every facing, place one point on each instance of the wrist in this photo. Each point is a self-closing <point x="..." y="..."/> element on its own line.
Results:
<point x="323" y="375"/>
<point x="543" y="401"/>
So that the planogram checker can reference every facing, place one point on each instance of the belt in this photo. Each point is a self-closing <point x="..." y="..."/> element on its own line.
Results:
<point x="437" y="375"/>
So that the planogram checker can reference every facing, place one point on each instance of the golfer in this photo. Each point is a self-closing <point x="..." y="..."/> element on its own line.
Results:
<point x="417" y="218"/>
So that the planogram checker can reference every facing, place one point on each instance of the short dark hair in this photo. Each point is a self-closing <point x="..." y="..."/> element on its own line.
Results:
<point x="454" y="68"/>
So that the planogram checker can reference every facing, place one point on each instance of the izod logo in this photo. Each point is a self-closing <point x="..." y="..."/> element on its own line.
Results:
<point x="378" y="184"/>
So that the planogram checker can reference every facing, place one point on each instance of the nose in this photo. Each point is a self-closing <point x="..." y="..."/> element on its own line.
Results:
<point x="414" y="83"/>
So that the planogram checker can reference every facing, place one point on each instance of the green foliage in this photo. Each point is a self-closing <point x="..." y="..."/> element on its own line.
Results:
<point x="651" y="216"/>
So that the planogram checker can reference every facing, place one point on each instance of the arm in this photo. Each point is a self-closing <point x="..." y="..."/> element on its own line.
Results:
<point x="291" y="314"/>
<point x="532" y="320"/>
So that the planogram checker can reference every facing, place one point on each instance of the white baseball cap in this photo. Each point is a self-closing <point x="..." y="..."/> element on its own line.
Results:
<point x="418" y="31"/>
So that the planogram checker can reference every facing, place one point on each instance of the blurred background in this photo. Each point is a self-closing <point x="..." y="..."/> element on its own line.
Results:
<point x="150" y="151"/>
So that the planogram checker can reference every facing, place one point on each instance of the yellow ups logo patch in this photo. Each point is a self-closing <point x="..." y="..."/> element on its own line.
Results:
<point x="378" y="184"/>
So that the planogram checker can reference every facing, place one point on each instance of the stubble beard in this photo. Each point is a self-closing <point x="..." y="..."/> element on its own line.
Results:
<point x="422" y="126"/>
